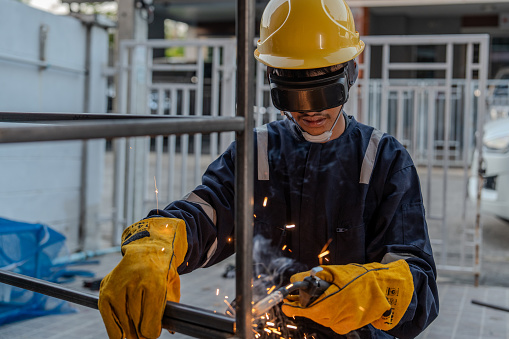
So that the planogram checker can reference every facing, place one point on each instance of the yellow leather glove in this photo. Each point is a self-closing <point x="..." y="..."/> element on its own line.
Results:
<point x="133" y="295"/>
<point x="375" y="293"/>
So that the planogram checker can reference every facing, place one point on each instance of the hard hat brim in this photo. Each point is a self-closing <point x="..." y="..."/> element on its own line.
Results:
<point x="285" y="62"/>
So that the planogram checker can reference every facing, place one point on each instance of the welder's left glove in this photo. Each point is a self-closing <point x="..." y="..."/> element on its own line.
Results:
<point x="375" y="293"/>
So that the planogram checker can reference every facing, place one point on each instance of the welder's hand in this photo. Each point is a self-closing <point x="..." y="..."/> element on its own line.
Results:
<point x="133" y="295"/>
<point x="375" y="293"/>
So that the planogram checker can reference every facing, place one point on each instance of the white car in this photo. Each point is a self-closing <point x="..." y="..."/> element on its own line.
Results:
<point x="495" y="169"/>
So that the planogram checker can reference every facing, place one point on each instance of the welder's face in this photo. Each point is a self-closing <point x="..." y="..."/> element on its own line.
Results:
<point x="313" y="101"/>
<point x="316" y="123"/>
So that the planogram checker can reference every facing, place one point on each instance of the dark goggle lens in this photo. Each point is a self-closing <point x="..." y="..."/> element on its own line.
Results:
<point x="309" y="94"/>
<point x="308" y="100"/>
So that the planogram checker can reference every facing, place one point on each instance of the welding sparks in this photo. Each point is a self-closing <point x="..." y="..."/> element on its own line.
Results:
<point x="157" y="191"/>
<point x="162" y="249"/>
<point x="273" y="330"/>
<point x="324" y="252"/>
<point x="229" y="307"/>
<point x="291" y="326"/>
<point x="290" y="226"/>
<point x="271" y="324"/>
<point x="217" y="291"/>
<point x="265" y="202"/>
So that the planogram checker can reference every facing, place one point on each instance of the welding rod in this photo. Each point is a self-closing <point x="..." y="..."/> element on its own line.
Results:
<point x="177" y="317"/>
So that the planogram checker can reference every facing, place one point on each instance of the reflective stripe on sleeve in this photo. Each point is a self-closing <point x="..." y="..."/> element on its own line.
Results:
<point x="391" y="257"/>
<point x="262" y="138"/>
<point x="369" y="158"/>
<point x="207" y="208"/>
<point x="211" y="213"/>
<point x="210" y="253"/>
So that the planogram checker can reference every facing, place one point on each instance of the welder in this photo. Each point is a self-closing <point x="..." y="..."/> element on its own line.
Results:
<point x="336" y="181"/>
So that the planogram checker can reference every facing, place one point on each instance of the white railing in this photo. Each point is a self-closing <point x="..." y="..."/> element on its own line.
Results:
<point x="436" y="119"/>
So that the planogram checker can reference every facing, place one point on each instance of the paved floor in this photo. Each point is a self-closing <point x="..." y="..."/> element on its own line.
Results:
<point x="206" y="288"/>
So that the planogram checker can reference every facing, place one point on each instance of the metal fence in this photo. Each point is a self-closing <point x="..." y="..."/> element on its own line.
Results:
<point x="435" y="118"/>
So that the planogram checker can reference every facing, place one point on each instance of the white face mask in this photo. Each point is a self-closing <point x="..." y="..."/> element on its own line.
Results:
<point x="320" y="138"/>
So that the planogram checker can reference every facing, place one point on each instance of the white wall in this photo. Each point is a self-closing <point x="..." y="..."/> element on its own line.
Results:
<point x="41" y="182"/>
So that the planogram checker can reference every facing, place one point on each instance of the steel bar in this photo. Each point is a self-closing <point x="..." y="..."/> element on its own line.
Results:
<point x="108" y="129"/>
<point x="244" y="169"/>
<point x="177" y="317"/>
<point x="51" y="116"/>
<point x="495" y="307"/>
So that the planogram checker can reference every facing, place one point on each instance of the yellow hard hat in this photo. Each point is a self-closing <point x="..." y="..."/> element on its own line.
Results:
<point x="304" y="34"/>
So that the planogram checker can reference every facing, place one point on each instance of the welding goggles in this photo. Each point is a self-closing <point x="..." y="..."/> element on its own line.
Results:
<point x="309" y="94"/>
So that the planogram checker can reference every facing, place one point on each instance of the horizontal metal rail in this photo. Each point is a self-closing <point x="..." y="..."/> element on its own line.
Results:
<point x="115" y="128"/>
<point x="177" y="317"/>
<point x="51" y="116"/>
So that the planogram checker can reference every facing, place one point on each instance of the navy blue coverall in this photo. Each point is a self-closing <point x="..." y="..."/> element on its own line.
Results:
<point x="361" y="190"/>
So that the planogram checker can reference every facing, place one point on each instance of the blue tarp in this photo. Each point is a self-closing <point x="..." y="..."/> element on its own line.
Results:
<point x="30" y="249"/>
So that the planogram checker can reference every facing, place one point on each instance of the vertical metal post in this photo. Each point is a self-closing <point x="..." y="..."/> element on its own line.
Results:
<point x="384" y="120"/>
<point x="467" y="131"/>
<point x="481" y="111"/>
<point x="159" y="142"/>
<point x="184" y="143"/>
<point x="260" y="79"/>
<point x="446" y="146"/>
<point x="172" y="141"/>
<point x="198" y="110"/>
<point x="366" y="85"/>
<point x="214" y="109"/>
<point x="400" y="114"/>
<point x="415" y="116"/>
<point x="244" y="169"/>
<point x="227" y="92"/>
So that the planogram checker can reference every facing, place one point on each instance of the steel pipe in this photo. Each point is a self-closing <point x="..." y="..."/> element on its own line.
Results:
<point x="244" y="172"/>
<point x="108" y="129"/>
<point x="177" y="317"/>
<point x="53" y="116"/>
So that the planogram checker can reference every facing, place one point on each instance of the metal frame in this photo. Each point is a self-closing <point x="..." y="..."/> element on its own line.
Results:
<point x="113" y="128"/>
<point x="177" y="317"/>
<point x="68" y="126"/>
<point x="242" y="124"/>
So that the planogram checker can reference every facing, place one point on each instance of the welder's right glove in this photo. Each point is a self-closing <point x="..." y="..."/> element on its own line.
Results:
<point x="133" y="295"/>
<point x="375" y="293"/>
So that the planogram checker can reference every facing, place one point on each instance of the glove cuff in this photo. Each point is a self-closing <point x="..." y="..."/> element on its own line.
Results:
<point x="167" y="232"/>
<point x="398" y="286"/>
